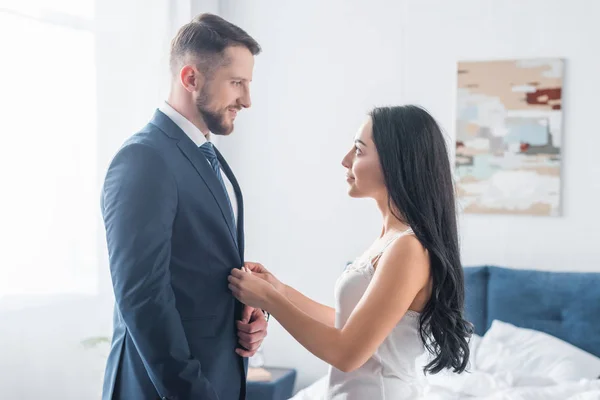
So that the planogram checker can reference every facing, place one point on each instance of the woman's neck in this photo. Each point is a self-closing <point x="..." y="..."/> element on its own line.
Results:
<point x="391" y="223"/>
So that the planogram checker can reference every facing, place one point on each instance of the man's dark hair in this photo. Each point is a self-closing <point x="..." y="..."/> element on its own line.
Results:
<point x="205" y="39"/>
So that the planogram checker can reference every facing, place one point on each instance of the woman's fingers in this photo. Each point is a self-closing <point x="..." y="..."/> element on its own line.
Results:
<point x="234" y="289"/>
<point x="233" y="280"/>
<point x="238" y="273"/>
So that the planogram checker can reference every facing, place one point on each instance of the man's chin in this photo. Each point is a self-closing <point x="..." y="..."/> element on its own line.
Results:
<point x="229" y="131"/>
<point x="217" y="123"/>
<point x="224" y="130"/>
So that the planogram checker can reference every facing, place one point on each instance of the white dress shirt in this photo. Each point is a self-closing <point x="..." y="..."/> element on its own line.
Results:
<point x="199" y="139"/>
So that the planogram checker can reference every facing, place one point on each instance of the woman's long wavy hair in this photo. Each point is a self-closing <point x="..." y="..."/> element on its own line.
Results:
<point x="417" y="173"/>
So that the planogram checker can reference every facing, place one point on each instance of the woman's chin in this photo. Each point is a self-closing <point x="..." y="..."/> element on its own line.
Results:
<point x="352" y="192"/>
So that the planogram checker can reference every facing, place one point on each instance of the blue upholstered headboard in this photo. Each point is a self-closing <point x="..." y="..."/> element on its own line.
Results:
<point x="563" y="304"/>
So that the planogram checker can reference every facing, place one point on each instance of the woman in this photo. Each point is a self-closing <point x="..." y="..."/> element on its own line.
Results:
<point x="405" y="294"/>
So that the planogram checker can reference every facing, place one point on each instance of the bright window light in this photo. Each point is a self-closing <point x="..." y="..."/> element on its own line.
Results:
<point x="50" y="204"/>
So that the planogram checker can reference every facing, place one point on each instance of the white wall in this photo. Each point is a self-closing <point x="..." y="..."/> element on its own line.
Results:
<point x="325" y="63"/>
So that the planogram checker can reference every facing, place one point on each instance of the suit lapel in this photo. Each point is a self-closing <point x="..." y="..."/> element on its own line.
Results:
<point x="195" y="157"/>
<point x="240" y="202"/>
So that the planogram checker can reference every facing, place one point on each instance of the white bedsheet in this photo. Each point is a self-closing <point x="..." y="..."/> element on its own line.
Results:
<point x="483" y="386"/>
<point x="506" y="386"/>
<point x="510" y="363"/>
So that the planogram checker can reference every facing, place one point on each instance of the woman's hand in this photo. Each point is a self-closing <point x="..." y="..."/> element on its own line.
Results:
<point x="250" y="289"/>
<point x="263" y="273"/>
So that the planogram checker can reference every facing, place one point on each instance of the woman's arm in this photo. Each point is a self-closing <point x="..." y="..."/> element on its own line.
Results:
<point x="402" y="272"/>
<point x="316" y="310"/>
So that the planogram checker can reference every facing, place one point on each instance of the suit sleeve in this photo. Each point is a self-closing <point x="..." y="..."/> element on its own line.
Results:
<point x="139" y="208"/>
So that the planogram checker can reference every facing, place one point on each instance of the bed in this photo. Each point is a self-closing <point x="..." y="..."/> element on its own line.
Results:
<point x="537" y="336"/>
<point x="565" y="305"/>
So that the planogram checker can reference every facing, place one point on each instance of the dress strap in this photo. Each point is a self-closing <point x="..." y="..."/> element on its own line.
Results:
<point x="377" y="256"/>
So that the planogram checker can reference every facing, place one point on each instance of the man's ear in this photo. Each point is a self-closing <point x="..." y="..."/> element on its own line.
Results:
<point x="191" y="79"/>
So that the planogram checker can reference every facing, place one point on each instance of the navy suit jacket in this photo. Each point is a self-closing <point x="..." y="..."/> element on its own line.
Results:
<point x="171" y="245"/>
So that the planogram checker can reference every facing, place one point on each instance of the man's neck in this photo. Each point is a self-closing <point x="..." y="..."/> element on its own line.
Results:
<point x="191" y="114"/>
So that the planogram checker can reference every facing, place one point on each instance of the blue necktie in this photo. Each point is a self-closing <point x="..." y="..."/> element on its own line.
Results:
<point x="208" y="151"/>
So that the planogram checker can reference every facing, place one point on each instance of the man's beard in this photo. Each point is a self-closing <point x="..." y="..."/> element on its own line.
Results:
<point x="215" y="121"/>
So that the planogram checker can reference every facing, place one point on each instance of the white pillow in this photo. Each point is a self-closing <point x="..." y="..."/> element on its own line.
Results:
<point x="527" y="352"/>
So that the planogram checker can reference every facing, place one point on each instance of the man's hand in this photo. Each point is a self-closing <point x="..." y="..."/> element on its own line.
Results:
<point x="252" y="330"/>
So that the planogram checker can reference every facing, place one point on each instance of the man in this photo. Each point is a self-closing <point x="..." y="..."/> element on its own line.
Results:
<point x="173" y="215"/>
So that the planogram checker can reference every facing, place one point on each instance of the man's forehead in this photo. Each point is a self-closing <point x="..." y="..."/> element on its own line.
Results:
<point x="239" y="54"/>
<point x="239" y="62"/>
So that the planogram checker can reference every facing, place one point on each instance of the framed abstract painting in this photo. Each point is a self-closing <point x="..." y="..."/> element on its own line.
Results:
<point x="508" y="136"/>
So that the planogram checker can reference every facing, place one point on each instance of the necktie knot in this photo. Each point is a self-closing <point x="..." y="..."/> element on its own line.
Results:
<point x="209" y="152"/>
